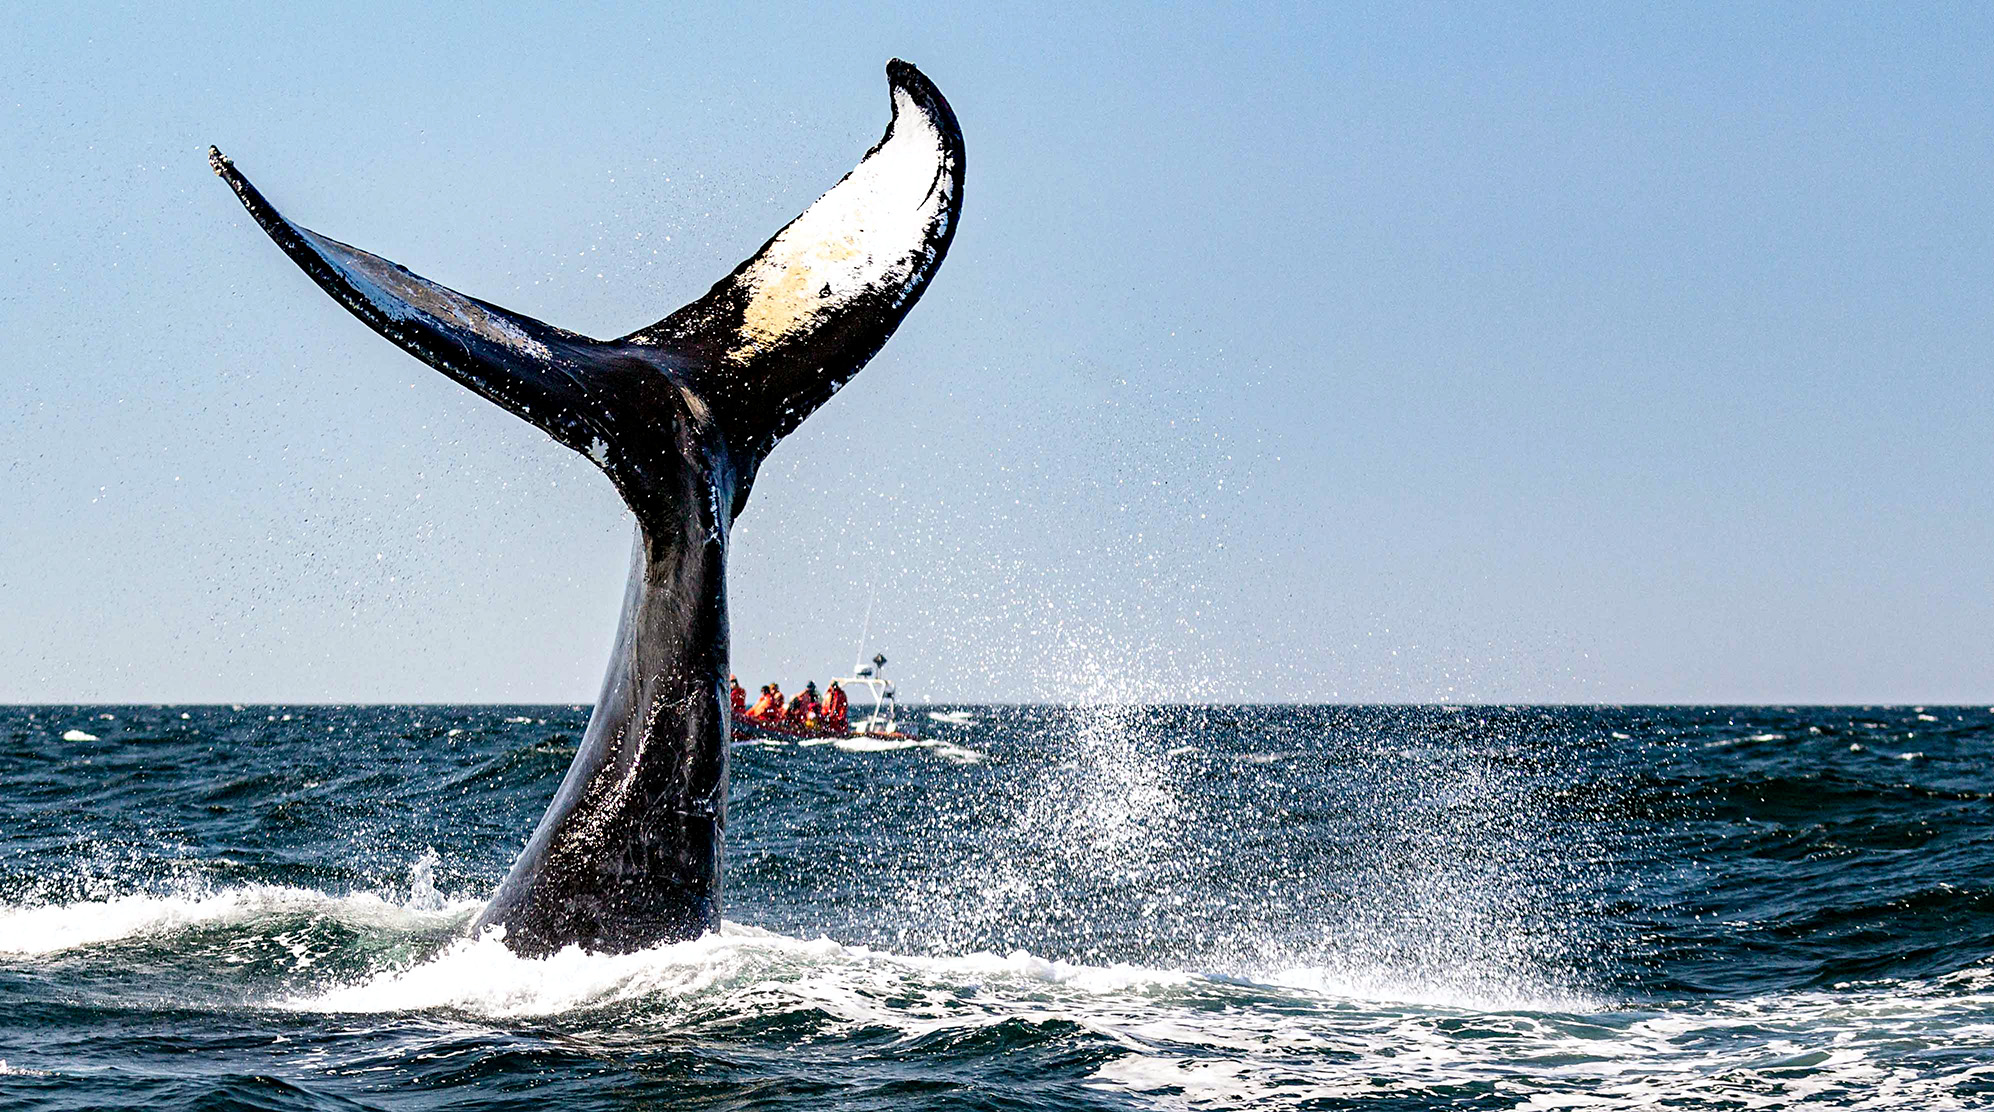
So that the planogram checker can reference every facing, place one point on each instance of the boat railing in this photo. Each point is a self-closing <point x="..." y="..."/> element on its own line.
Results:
<point x="884" y="707"/>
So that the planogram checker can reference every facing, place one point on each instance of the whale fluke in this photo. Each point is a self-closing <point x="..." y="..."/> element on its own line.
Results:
<point x="680" y="416"/>
<point x="795" y="322"/>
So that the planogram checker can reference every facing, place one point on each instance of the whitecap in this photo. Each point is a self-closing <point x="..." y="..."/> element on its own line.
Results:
<point x="481" y="976"/>
<point x="958" y="753"/>
<point x="873" y="744"/>
<point x="54" y="927"/>
<point x="862" y="744"/>
<point x="1281" y="1039"/>
<point x="19" y="1071"/>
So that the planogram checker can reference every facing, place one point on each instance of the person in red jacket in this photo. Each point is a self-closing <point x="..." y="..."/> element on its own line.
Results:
<point x="773" y="713"/>
<point x="812" y="710"/>
<point x="793" y="716"/>
<point x="737" y="699"/>
<point x="836" y="709"/>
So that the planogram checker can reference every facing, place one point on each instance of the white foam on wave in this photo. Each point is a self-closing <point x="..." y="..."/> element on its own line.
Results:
<point x="51" y="928"/>
<point x="19" y="1071"/>
<point x="944" y="749"/>
<point x="1285" y="1039"/>
<point x="1395" y="986"/>
<point x="482" y="977"/>
<point x="873" y="744"/>
<point x="1280" y="1039"/>
<point x="952" y="717"/>
<point x="1786" y="1051"/>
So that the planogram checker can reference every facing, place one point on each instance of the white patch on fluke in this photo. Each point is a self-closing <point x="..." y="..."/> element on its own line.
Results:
<point x="869" y="232"/>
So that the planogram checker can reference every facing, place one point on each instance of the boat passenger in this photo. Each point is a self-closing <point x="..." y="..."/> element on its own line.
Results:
<point x="812" y="711"/>
<point x="836" y="709"/>
<point x="774" y="713"/>
<point x="737" y="699"/>
<point x="793" y="716"/>
<point x="761" y="708"/>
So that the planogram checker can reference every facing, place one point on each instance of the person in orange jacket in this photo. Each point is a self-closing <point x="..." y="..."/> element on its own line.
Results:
<point x="836" y="709"/>
<point x="812" y="710"/>
<point x="737" y="699"/>
<point x="770" y="708"/>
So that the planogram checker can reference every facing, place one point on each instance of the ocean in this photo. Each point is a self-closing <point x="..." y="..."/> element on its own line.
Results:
<point x="262" y="907"/>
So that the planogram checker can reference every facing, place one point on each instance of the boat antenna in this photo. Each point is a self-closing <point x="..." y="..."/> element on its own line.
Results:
<point x="865" y="629"/>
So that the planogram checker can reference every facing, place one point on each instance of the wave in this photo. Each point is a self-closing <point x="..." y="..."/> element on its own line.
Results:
<point x="945" y="749"/>
<point x="1278" y="1038"/>
<point x="38" y="929"/>
<point x="1282" y="1039"/>
<point x="480" y="976"/>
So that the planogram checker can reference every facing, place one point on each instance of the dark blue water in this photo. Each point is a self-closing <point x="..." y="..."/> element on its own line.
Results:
<point x="261" y="908"/>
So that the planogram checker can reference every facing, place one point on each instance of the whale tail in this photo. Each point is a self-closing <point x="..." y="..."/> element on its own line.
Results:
<point x="680" y="416"/>
<point x="765" y="347"/>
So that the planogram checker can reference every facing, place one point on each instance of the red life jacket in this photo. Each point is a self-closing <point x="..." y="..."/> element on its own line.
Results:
<point x="834" y="707"/>
<point x="737" y="701"/>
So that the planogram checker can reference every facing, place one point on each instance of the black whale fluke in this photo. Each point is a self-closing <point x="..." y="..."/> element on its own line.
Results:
<point x="679" y="415"/>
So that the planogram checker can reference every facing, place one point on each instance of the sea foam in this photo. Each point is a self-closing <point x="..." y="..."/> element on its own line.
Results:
<point x="55" y="927"/>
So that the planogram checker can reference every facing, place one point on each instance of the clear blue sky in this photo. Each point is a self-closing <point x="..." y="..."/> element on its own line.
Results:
<point x="1570" y="353"/>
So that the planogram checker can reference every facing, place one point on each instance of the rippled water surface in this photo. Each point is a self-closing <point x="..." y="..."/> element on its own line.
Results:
<point x="263" y="908"/>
